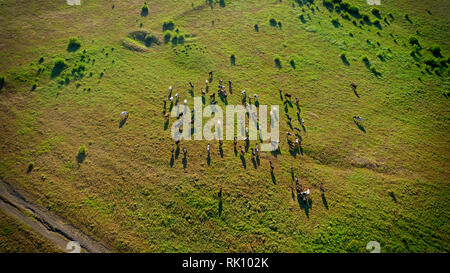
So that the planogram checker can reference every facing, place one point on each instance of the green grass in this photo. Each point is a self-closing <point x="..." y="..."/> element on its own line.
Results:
<point x="389" y="184"/>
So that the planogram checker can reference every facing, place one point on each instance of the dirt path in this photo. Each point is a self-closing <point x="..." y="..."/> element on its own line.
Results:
<point x="42" y="222"/>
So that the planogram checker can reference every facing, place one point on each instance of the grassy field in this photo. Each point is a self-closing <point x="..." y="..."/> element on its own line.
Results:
<point x="386" y="181"/>
<point x="15" y="237"/>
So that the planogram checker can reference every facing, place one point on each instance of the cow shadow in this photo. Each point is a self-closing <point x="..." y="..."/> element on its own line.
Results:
<point x="122" y="122"/>
<point x="360" y="126"/>
<point x="244" y="164"/>
<point x="274" y="179"/>
<point x="324" y="200"/>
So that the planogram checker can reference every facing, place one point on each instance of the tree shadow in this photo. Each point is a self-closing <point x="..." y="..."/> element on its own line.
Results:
<point x="345" y="60"/>
<point x="144" y="13"/>
<point x="80" y="157"/>
<point x="302" y="19"/>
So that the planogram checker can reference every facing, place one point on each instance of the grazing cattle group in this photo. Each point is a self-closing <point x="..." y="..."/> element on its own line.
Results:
<point x="294" y="145"/>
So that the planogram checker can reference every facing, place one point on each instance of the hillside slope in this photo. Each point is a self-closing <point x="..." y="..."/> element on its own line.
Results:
<point x="386" y="180"/>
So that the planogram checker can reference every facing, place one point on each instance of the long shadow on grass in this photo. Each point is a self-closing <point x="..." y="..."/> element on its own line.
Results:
<point x="244" y="164"/>
<point x="172" y="160"/>
<point x="360" y="126"/>
<point x="122" y="122"/>
<point x="304" y="205"/>
<point x="220" y="207"/>
<point x="324" y="200"/>
<point x="274" y="179"/>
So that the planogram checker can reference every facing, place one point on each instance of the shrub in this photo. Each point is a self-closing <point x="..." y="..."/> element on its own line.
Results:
<point x="374" y="70"/>
<point x="150" y="40"/>
<point x="74" y="44"/>
<point x="335" y="22"/>
<point x="233" y="59"/>
<point x="60" y="63"/>
<point x="376" y="12"/>
<point x="292" y="63"/>
<point x="345" y="16"/>
<point x="344" y="58"/>
<point x="181" y="38"/>
<point x="376" y="22"/>
<point x="82" y="150"/>
<point x="353" y="10"/>
<point x="432" y="62"/>
<point x="365" y="18"/>
<point x="277" y="61"/>
<point x="413" y="41"/>
<point x="436" y="51"/>
<point x="273" y="22"/>
<point x="144" y="10"/>
<point x="175" y="39"/>
<point x="344" y="5"/>
<point x="30" y="167"/>
<point x="167" y="36"/>
<point x="328" y="4"/>
<point x="168" y="25"/>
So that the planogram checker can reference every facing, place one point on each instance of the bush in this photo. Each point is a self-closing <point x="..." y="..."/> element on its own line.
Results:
<point x="233" y="59"/>
<point x="30" y="167"/>
<point x="181" y="38"/>
<point x="277" y="61"/>
<point x="82" y="150"/>
<point x="344" y="5"/>
<point x="436" y="51"/>
<point x="168" y="25"/>
<point x="413" y="41"/>
<point x="376" y="22"/>
<point x="144" y="10"/>
<point x="60" y="63"/>
<point x="335" y="22"/>
<point x="328" y="4"/>
<point x="175" y="39"/>
<point x="167" y="36"/>
<point x="344" y="58"/>
<point x="353" y="10"/>
<point x="366" y="18"/>
<point x="376" y="12"/>
<point x="292" y="63"/>
<point x="273" y="22"/>
<point x="345" y="16"/>
<point x="74" y="44"/>
<point x="150" y="39"/>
